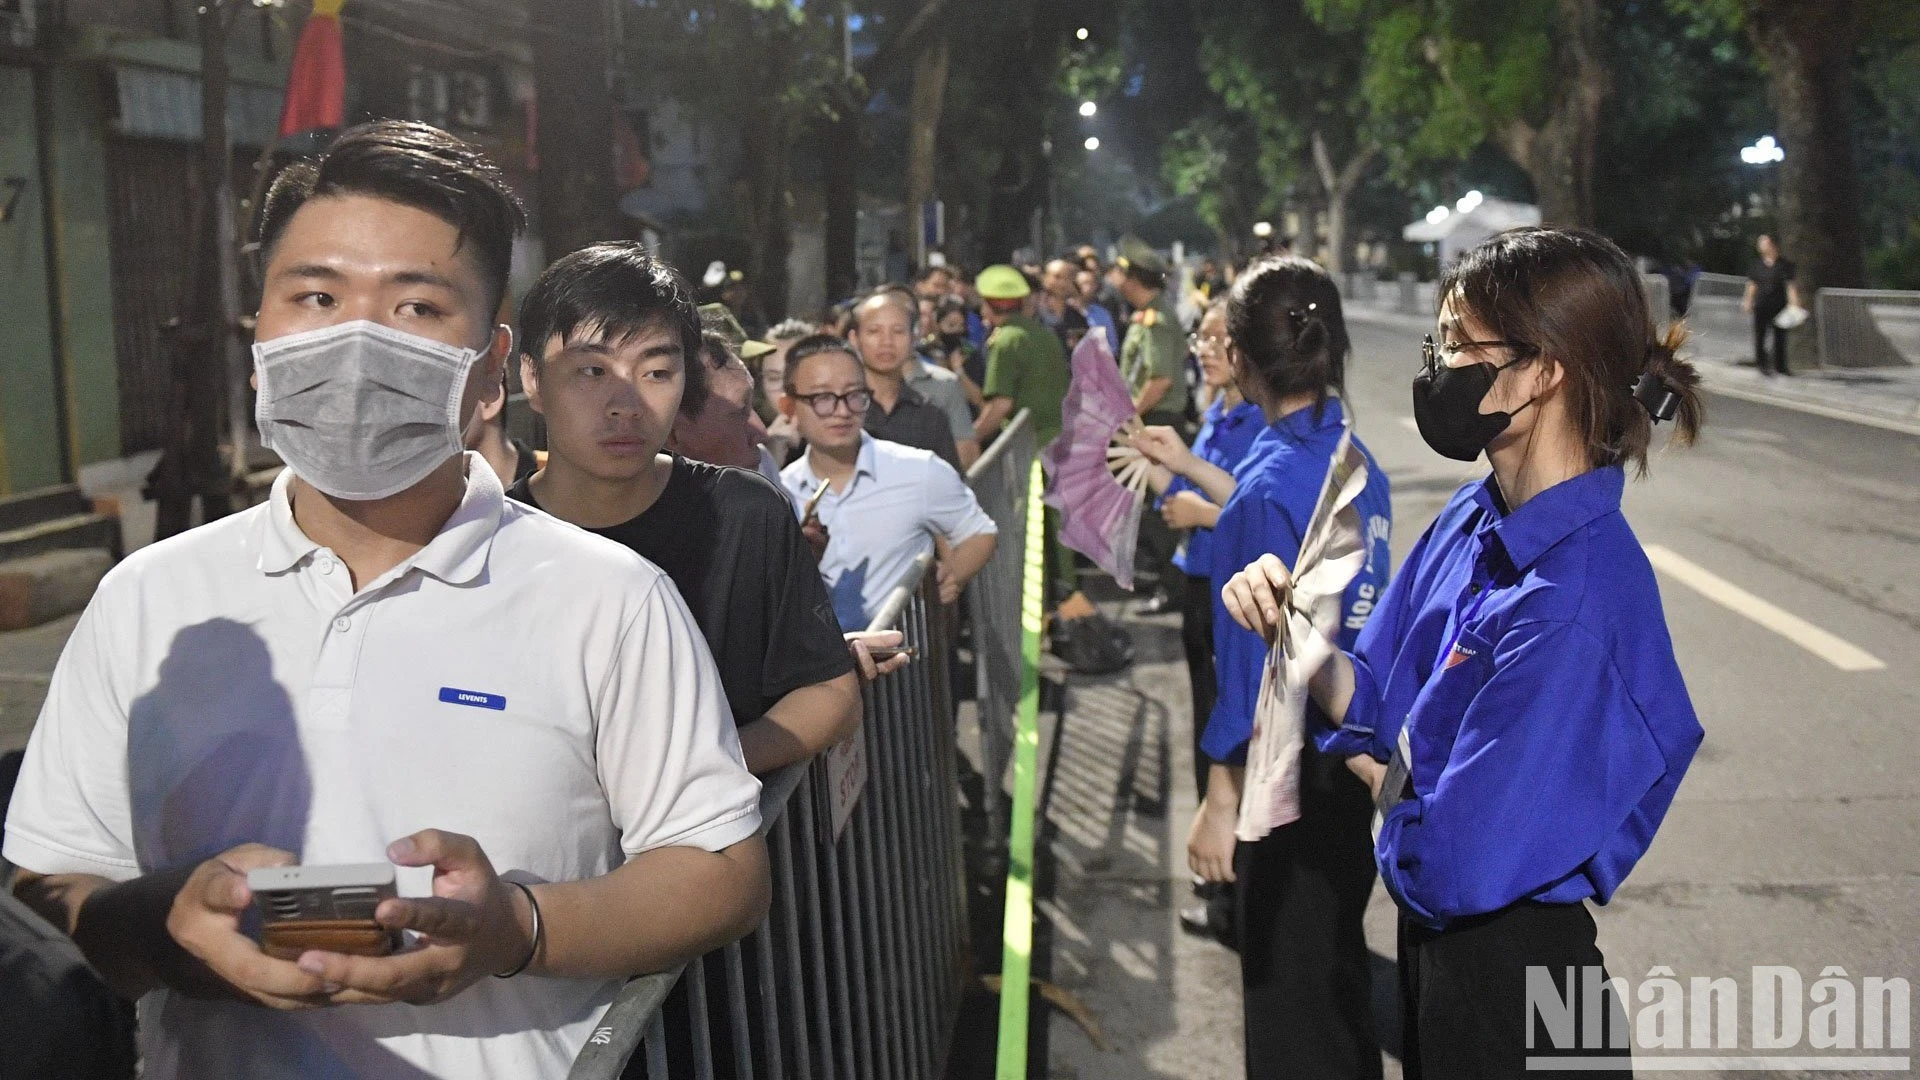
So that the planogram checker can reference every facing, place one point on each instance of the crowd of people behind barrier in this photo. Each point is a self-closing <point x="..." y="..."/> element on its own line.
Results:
<point x="541" y="684"/>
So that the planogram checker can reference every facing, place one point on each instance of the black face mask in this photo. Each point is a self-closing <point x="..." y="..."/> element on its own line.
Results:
<point x="951" y="342"/>
<point x="1446" y="406"/>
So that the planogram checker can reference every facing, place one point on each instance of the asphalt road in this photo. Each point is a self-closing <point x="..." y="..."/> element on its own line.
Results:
<point x="1795" y="839"/>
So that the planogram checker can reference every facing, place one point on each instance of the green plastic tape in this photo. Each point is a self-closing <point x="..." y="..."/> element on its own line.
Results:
<point x="1016" y="961"/>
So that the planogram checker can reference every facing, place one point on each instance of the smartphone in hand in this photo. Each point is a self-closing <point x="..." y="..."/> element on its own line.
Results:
<point x="323" y="907"/>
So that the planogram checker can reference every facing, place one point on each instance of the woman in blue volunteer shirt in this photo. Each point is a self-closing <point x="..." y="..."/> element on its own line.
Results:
<point x="1194" y="484"/>
<point x="1300" y="893"/>
<point x="1514" y="701"/>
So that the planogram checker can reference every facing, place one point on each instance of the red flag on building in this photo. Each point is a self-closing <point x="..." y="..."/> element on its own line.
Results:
<point x="317" y="84"/>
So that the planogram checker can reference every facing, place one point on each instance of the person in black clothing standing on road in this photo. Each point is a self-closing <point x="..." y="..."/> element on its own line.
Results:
<point x="1770" y="288"/>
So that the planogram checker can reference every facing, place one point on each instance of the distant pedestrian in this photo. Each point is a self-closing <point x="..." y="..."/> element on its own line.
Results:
<point x="950" y="347"/>
<point x="1060" y="299"/>
<point x="1681" y="278"/>
<point x="905" y="407"/>
<point x="1770" y="289"/>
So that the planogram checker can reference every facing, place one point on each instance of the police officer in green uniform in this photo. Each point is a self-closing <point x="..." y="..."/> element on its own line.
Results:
<point x="1154" y="363"/>
<point x="1154" y="357"/>
<point x="1027" y="369"/>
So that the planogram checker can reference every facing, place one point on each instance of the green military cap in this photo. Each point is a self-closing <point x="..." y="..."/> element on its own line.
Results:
<point x="1002" y="282"/>
<point x="1135" y="253"/>
<point x="719" y="318"/>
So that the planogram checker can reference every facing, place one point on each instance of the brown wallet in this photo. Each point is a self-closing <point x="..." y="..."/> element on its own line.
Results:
<point x="355" y="937"/>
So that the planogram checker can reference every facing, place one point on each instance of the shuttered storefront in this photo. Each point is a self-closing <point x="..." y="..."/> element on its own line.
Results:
<point x="154" y="186"/>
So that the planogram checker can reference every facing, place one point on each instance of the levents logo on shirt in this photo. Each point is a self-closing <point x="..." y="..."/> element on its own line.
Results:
<point x="1460" y="655"/>
<point x="472" y="698"/>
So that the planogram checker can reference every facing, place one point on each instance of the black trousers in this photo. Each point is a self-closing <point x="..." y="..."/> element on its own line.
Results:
<point x="1762" y="327"/>
<point x="1301" y="896"/>
<point x="1463" y="994"/>
<point x="1196" y="637"/>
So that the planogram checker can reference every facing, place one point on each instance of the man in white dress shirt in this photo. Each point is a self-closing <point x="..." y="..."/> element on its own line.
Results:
<point x="886" y="502"/>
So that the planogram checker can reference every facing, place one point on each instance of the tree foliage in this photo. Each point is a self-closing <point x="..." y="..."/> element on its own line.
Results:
<point x="1527" y="75"/>
<point x="1213" y="160"/>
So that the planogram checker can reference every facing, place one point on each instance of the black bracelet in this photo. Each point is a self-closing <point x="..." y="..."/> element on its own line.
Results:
<point x="534" y="949"/>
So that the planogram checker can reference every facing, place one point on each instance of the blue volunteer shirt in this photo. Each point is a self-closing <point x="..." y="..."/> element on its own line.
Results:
<point x="1526" y="655"/>
<point x="1224" y="439"/>
<point x="1099" y="317"/>
<point x="1279" y="483"/>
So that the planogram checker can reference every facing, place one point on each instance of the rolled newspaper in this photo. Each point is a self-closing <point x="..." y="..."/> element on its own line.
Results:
<point x="1332" y="551"/>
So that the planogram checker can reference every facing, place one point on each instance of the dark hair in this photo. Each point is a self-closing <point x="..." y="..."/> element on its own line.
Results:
<point x="1574" y="297"/>
<point x="949" y="305"/>
<point x="1152" y="279"/>
<point x="813" y="345"/>
<point x="414" y="165"/>
<point x="1283" y="316"/>
<point x="613" y="291"/>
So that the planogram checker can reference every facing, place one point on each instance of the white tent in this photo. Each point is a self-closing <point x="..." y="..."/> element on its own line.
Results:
<point x="1467" y="222"/>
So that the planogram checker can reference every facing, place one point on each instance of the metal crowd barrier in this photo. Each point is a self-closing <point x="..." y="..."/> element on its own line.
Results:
<point x="856" y="972"/>
<point x="1720" y="329"/>
<point x="1659" y="299"/>
<point x="999" y="480"/>
<point x="1361" y="286"/>
<point x="1868" y="327"/>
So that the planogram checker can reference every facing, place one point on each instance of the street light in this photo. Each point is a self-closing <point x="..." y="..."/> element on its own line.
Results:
<point x="1081" y="33"/>
<point x="1468" y="201"/>
<point x="1437" y="215"/>
<point x="1765" y="151"/>
<point x="1262" y="229"/>
<point x="1088" y="108"/>
<point x="1093" y="142"/>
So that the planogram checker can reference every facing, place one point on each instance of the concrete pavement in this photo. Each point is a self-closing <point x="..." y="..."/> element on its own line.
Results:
<point x="1794" y="841"/>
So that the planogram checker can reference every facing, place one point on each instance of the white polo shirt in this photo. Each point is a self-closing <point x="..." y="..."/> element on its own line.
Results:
<point x="898" y="500"/>
<point x="519" y="680"/>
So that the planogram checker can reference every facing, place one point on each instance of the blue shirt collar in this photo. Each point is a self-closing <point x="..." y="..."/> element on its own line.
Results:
<point x="1220" y="416"/>
<point x="1552" y="515"/>
<point x="1299" y="425"/>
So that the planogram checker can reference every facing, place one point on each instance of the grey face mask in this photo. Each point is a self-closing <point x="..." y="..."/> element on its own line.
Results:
<point x="359" y="410"/>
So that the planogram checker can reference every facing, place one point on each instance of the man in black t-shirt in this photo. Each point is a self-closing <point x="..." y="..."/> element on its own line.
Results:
<point x="610" y="340"/>
<point x="1770" y="288"/>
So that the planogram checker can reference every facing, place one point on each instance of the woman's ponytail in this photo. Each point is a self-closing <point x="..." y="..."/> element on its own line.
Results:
<point x="1284" y="318"/>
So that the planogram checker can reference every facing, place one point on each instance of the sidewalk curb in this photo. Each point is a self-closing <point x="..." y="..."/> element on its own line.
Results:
<point x="1813" y="407"/>
<point x="1714" y="379"/>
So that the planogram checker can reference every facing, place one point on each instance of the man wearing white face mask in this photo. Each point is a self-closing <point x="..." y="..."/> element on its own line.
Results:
<point x="386" y="662"/>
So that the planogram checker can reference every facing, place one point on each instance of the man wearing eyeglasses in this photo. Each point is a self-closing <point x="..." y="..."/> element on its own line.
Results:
<point x="884" y="503"/>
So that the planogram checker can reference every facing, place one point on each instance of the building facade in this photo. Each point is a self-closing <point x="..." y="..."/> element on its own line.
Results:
<point x="100" y="181"/>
